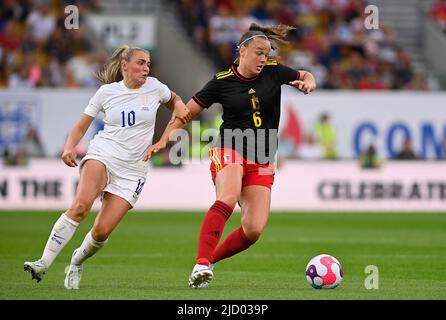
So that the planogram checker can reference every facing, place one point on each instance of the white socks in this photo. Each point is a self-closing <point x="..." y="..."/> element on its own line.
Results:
<point x="88" y="248"/>
<point x="61" y="234"/>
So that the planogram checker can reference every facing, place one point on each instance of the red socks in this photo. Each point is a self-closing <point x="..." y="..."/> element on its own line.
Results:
<point x="235" y="242"/>
<point x="211" y="230"/>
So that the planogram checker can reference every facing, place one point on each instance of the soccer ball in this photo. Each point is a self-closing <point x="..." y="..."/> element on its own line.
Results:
<point x="324" y="272"/>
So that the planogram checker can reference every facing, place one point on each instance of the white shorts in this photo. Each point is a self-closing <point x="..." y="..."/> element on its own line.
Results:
<point x="124" y="179"/>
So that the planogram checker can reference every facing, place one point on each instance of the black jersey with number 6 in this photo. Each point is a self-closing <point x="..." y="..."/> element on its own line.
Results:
<point x="251" y="108"/>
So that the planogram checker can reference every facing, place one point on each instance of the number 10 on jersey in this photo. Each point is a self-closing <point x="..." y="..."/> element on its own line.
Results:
<point x="130" y="118"/>
<point x="256" y="115"/>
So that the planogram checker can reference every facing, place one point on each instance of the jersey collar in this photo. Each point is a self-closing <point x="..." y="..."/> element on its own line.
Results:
<point x="129" y="89"/>
<point x="238" y="75"/>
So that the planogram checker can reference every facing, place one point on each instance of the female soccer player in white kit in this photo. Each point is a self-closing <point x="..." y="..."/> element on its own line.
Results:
<point x="113" y="166"/>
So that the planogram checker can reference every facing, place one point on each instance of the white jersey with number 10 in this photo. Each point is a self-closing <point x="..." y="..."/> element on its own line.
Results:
<point x="129" y="119"/>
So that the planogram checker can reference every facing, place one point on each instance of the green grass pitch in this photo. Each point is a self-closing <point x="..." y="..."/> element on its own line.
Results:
<point x="150" y="255"/>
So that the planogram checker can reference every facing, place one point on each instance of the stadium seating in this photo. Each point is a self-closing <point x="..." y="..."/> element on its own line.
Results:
<point x="35" y="50"/>
<point x="330" y="40"/>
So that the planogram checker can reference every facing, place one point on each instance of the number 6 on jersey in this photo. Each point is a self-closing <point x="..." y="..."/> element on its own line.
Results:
<point x="256" y="115"/>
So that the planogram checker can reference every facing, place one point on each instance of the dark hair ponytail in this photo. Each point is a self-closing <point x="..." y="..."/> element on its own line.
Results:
<point x="276" y="34"/>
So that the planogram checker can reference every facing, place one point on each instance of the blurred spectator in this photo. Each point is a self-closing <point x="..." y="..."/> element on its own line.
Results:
<point x="15" y="10"/>
<point x="290" y="136"/>
<point x="371" y="82"/>
<point x="369" y="158"/>
<point x="10" y="37"/>
<point x="287" y="148"/>
<point x="326" y="135"/>
<point x="337" y="78"/>
<point x="14" y="158"/>
<point x="309" y="149"/>
<point x="31" y="145"/>
<point x="223" y="32"/>
<point x="82" y="67"/>
<point x="328" y="53"/>
<point x="41" y="23"/>
<point x="418" y="82"/>
<point x="438" y="12"/>
<point x="56" y="75"/>
<point x="402" y="69"/>
<point x="318" y="70"/>
<point x="357" y="69"/>
<point x="406" y="152"/>
<point x="20" y="79"/>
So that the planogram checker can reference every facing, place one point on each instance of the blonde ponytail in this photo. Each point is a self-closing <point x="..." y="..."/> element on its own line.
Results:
<point x="112" y="70"/>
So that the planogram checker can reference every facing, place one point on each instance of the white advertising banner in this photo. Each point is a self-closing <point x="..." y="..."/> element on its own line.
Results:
<point x="54" y="113"/>
<point x="337" y="186"/>
<point x="345" y="186"/>
<point x="381" y="118"/>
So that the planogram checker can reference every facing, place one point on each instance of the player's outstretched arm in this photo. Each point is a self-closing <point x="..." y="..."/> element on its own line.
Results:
<point x="178" y="108"/>
<point x="69" y="151"/>
<point x="194" y="109"/>
<point x="306" y="82"/>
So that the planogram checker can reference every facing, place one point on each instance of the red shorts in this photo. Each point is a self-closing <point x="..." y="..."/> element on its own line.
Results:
<point x="253" y="173"/>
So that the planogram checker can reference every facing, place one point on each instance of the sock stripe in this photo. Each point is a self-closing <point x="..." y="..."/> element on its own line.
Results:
<point x="224" y="205"/>
<point x="69" y="220"/>
<point x="222" y="208"/>
<point x="95" y="242"/>
<point x="221" y="212"/>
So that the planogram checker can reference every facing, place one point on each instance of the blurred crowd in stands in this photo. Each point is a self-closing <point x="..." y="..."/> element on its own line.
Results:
<point x="330" y="40"/>
<point x="37" y="51"/>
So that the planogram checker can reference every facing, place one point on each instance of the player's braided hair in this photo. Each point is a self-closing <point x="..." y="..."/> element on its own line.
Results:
<point x="112" y="70"/>
<point x="276" y="34"/>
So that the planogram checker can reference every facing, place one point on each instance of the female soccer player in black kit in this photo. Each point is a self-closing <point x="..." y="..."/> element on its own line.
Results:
<point x="243" y="161"/>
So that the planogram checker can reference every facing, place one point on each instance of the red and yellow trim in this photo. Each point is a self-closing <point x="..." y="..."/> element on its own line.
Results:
<point x="215" y="158"/>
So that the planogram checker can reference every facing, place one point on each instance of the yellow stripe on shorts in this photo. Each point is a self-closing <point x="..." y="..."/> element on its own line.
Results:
<point x="213" y="155"/>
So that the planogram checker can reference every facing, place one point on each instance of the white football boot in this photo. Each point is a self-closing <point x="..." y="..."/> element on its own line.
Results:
<point x="200" y="274"/>
<point x="74" y="274"/>
<point x="207" y="283"/>
<point x="36" y="268"/>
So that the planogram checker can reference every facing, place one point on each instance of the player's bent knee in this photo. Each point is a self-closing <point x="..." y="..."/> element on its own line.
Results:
<point x="99" y="234"/>
<point x="79" y="210"/>
<point x="253" y="234"/>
